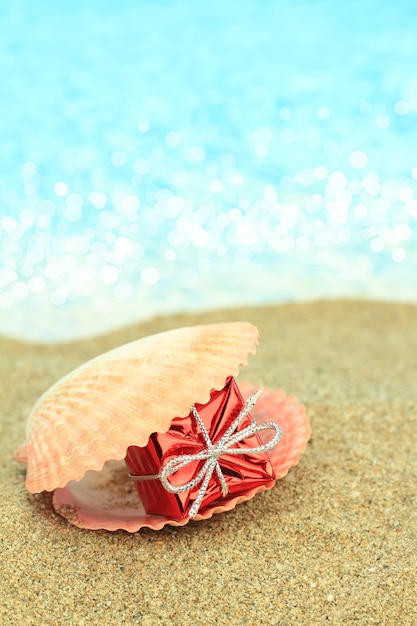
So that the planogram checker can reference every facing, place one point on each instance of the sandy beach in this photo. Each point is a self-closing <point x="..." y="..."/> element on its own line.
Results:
<point x="335" y="542"/>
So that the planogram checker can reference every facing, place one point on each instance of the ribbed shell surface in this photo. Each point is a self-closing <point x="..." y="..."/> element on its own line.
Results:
<point x="121" y="397"/>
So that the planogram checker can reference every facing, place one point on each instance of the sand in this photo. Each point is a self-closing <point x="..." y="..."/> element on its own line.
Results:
<point x="333" y="543"/>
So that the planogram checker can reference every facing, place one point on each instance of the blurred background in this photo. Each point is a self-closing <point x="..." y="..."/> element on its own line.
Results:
<point x="168" y="155"/>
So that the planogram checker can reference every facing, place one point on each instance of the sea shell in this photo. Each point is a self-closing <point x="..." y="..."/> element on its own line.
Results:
<point x="118" y="399"/>
<point x="79" y="430"/>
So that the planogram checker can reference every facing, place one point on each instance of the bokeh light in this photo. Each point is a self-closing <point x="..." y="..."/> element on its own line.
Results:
<point x="148" y="171"/>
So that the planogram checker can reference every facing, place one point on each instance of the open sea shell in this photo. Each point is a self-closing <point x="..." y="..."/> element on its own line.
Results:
<point x="79" y="430"/>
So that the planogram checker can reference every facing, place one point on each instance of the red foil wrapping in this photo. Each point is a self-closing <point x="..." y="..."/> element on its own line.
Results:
<point x="242" y="472"/>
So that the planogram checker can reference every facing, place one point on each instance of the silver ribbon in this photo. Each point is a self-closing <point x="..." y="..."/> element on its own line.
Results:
<point x="213" y="452"/>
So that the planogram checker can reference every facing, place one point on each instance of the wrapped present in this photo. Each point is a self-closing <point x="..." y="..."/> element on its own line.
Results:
<point x="213" y="454"/>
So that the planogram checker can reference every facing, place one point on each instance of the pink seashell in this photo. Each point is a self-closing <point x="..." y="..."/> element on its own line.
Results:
<point x="79" y="430"/>
<point x="118" y="399"/>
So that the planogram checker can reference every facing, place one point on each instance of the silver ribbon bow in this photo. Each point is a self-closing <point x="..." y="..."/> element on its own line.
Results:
<point x="214" y="451"/>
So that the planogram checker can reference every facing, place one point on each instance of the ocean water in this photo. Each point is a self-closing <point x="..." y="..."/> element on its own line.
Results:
<point x="166" y="155"/>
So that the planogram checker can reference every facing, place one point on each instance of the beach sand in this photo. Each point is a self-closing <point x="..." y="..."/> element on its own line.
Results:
<point x="335" y="542"/>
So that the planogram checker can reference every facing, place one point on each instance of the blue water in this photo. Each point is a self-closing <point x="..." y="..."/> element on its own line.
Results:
<point x="171" y="155"/>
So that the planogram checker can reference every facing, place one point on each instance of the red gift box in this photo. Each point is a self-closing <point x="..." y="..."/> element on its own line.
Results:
<point x="241" y="472"/>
